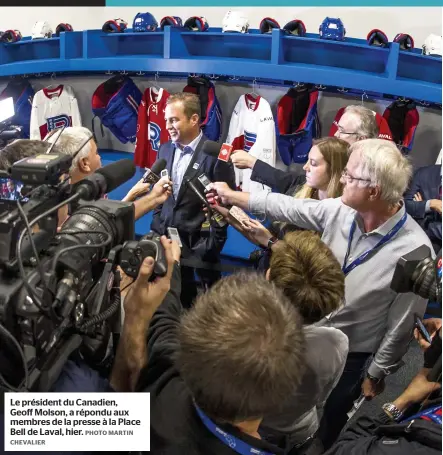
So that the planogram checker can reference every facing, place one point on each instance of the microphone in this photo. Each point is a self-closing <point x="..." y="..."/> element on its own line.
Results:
<point x="213" y="216"/>
<point x="105" y="180"/>
<point x="199" y="195"/>
<point x="214" y="149"/>
<point x="152" y="175"/>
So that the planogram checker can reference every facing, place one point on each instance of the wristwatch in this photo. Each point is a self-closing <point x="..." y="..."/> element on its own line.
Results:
<point x="272" y="241"/>
<point x="392" y="411"/>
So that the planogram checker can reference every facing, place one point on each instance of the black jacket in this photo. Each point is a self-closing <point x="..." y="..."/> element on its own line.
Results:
<point x="176" y="428"/>
<point x="376" y="436"/>
<point x="426" y="181"/>
<point x="284" y="182"/>
<point x="186" y="212"/>
<point x="281" y="182"/>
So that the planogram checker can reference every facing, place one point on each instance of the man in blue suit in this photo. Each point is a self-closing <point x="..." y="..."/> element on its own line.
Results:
<point x="423" y="202"/>
<point x="184" y="209"/>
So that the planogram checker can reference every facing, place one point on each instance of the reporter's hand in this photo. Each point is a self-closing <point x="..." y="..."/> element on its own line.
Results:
<point x="418" y="197"/>
<point x="371" y="388"/>
<point x="257" y="233"/>
<point x="219" y="192"/>
<point x="162" y="190"/>
<point x="242" y="159"/>
<point x="435" y="205"/>
<point x="176" y="251"/>
<point x="417" y="391"/>
<point x="136" y="191"/>
<point x="145" y="297"/>
<point x="432" y="325"/>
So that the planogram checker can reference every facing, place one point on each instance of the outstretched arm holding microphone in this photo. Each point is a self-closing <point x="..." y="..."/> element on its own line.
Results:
<point x="159" y="194"/>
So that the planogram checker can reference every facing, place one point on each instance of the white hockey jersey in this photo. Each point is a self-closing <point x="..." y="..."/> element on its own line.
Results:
<point x="52" y="108"/>
<point x="252" y="129"/>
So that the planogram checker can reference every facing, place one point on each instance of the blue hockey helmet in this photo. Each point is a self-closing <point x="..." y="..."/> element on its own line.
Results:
<point x="144" y="22"/>
<point x="333" y="29"/>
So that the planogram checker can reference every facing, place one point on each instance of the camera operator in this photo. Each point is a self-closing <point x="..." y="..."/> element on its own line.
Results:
<point x="86" y="159"/>
<point x="368" y="230"/>
<point x="215" y="371"/>
<point x="411" y="423"/>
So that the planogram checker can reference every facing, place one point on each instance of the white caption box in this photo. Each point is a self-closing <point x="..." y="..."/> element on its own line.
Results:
<point x="90" y="422"/>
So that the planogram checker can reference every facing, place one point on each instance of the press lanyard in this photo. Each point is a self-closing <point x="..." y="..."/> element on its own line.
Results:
<point x="431" y="413"/>
<point x="234" y="443"/>
<point x="348" y="268"/>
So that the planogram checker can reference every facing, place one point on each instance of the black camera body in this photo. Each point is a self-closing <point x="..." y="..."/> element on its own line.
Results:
<point x="135" y="252"/>
<point x="419" y="273"/>
<point x="75" y="307"/>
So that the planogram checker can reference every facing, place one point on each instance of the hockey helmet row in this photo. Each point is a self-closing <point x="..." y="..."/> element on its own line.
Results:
<point x="146" y="22"/>
<point x="234" y="21"/>
<point x="40" y="30"/>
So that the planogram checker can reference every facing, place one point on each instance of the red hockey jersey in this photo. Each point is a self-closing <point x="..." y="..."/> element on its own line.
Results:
<point x="151" y="127"/>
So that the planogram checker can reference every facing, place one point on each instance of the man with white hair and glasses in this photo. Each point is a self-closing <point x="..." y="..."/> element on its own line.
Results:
<point x="79" y="142"/>
<point x="368" y="230"/>
<point x="356" y="124"/>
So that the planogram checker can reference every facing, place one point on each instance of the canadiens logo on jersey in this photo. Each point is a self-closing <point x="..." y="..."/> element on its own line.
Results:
<point x="53" y="108"/>
<point x="250" y="139"/>
<point x="154" y="136"/>
<point x="60" y="121"/>
<point x="53" y="123"/>
<point x="151" y="129"/>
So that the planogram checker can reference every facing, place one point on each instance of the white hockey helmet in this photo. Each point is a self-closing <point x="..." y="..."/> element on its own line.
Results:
<point x="41" y="29"/>
<point x="432" y="45"/>
<point x="235" y="21"/>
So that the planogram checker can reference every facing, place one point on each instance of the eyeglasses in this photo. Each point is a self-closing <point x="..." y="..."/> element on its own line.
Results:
<point x="345" y="174"/>
<point x="340" y="129"/>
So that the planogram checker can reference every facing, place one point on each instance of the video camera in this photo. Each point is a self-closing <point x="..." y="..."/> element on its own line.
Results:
<point x="60" y="291"/>
<point x="417" y="272"/>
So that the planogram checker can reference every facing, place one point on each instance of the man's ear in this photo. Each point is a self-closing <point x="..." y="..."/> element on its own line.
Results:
<point x="268" y="274"/>
<point x="195" y="119"/>
<point x="83" y="165"/>
<point x="374" y="193"/>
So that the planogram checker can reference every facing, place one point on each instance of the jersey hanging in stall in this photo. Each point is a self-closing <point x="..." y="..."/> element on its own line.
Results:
<point x="252" y="129"/>
<point x="402" y="118"/>
<point x="151" y="126"/>
<point x="298" y="124"/>
<point x="52" y="108"/>
<point x="211" y="113"/>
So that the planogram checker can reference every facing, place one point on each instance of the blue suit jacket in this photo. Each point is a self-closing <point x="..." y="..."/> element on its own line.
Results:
<point x="426" y="181"/>
<point x="185" y="213"/>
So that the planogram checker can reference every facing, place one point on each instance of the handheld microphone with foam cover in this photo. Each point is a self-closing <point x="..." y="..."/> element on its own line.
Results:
<point x="199" y="195"/>
<point x="105" y="180"/>
<point x="216" y="217"/>
<point x="152" y="175"/>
